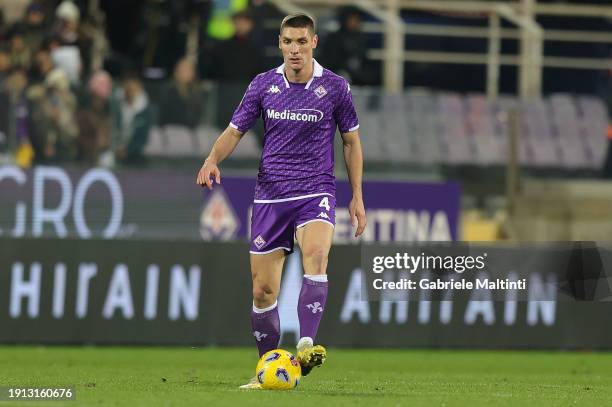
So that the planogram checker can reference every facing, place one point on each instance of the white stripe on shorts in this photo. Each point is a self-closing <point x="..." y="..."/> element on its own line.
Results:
<point x="315" y="220"/>
<point x="270" y="251"/>
<point x="295" y="198"/>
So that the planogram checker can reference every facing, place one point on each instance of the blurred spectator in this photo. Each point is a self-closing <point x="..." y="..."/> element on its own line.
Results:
<point x="34" y="29"/>
<point x="236" y="59"/>
<point x="94" y="119"/>
<point x="5" y="63"/>
<point x="68" y="16"/>
<point x="181" y="102"/>
<point x="42" y="66"/>
<point x="132" y="120"/>
<point x="13" y="10"/>
<point x="233" y="63"/>
<point x="20" y="53"/>
<point x="53" y="115"/>
<point x="220" y="24"/>
<point x="74" y="52"/>
<point x="164" y="36"/>
<point x="68" y="59"/>
<point x="344" y="51"/>
<point x="15" y="116"/>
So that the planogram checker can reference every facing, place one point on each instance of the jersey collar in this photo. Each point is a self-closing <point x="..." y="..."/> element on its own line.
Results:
<point x="316" y="72"/>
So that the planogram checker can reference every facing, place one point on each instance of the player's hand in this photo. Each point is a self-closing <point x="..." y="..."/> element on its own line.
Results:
<point x="206" y="173"/>
<point x="357" y="213"/>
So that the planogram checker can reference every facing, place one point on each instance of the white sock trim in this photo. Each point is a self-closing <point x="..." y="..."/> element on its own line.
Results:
<point x="321" y="278"/>
<point x="262" y="310"/>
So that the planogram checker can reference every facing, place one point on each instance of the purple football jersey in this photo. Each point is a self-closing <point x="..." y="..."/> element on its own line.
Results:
<point x="299" y="128"/>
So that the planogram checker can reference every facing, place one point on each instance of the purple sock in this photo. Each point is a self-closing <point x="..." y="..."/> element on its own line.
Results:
<point x="311" y="304"/>
<point x="266" y="329"/>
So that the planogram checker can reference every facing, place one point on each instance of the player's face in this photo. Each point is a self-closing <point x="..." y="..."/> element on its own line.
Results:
<point x="297" y="45"/>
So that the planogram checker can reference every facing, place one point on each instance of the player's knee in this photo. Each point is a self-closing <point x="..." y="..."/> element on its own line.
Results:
<point x="259" y="294"/>
<point x="316" y="255"/>
<point x="262" y="292"/>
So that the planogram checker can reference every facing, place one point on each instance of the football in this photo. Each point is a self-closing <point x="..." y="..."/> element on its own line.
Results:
<point x="278" y="370"/>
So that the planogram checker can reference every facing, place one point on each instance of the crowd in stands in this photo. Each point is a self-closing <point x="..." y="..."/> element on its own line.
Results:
<point x="86" y="81"/>
<point x="56" y="102"/>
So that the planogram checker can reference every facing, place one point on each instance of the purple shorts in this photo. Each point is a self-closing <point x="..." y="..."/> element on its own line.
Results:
<point x="274" y="222"/>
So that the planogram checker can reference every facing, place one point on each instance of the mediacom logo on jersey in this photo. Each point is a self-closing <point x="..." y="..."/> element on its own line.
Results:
<point x="300" y="115"/>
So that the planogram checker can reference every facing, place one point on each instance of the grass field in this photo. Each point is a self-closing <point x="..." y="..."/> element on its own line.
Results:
<point x="210" y="376"/>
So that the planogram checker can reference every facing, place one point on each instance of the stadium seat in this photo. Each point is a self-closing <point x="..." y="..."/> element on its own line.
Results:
<point x="425" y="127"/>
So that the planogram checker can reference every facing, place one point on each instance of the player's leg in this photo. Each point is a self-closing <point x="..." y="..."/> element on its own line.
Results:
<point x="314" y="234"/>
<point x="266" y="270"/>
<point x="272" y="231"/>
<point x="315" y="240"/>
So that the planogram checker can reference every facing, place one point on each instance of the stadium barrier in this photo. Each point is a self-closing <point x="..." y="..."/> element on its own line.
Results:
<point x="56" y="291"/>
<point x="167" y="204"/>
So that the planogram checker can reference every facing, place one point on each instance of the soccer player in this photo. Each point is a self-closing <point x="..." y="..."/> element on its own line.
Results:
<point x="301" y="104"/>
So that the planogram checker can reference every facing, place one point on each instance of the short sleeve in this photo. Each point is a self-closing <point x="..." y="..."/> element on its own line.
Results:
<point x="344" y="112"/>
<point x="249" y="109"/>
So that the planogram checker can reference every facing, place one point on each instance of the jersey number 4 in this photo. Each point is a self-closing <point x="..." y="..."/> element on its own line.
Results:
<point x="324" y="203"/>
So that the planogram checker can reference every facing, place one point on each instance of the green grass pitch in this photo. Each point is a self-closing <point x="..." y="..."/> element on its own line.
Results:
<point x="120" y="376"/>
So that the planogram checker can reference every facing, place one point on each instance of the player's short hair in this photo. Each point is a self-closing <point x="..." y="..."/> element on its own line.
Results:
<point x="298" y="20"/>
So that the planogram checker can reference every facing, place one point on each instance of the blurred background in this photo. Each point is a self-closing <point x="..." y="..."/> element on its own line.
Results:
<point x="480" y="121"/>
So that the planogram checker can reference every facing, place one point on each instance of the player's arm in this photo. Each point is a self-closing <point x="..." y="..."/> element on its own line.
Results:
<point x="243" y="119"/>
<point x="223" y="147"/>
<point x="353" y="157"/>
